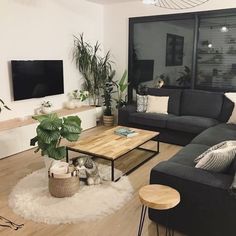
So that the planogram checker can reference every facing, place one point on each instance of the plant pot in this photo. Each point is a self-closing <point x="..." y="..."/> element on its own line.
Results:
<point x="108" y="120"/>
<point x="70" y="105"/>
<point x="99" y="112"/>
<point x="46" y="110"/>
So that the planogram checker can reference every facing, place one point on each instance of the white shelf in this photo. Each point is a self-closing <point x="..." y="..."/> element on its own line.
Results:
<point x="15" y="134"/>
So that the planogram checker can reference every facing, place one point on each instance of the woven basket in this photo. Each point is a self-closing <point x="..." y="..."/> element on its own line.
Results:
<point x="65" y="185"/>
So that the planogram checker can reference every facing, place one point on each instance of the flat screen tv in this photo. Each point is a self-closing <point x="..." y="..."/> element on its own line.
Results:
<point x="38" y="78"/>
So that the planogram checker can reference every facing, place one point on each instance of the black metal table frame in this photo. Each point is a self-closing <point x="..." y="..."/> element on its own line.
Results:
<point x="169" y="231"/>
<point x="154" y="153"/>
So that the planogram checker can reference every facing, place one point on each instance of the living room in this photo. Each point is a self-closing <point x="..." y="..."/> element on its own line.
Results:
<point x="194" y="79"/>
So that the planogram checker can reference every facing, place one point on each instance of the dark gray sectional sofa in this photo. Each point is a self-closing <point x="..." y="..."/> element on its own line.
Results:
<point x="206" y="208"/>
<point x="189" y="113"/>
<point x="197" y="119"/>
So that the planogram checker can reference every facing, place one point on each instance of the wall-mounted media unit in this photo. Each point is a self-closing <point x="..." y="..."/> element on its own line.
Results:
<point x="37" y="78"/>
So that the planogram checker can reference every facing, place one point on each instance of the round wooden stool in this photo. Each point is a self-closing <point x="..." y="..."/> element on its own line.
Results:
<point x="158" y="197"/>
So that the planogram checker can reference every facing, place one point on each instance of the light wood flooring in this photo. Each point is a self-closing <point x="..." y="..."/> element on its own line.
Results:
<point x="122" y="223"/>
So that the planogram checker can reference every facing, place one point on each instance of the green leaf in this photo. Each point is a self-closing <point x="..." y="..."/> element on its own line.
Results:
<point x="123" y="84"/>
<point x="71" y="137"/>
<point x="47" y="136"/>
<point x="70" y="128"/>
<point x="57" y="153"/>
<point x="51" y="124"/>
<point x="40" y="118"/>
<point x="72" y="120"/>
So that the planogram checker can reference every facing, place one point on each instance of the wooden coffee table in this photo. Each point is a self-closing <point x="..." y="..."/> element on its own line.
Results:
<point x="111" y="147"/>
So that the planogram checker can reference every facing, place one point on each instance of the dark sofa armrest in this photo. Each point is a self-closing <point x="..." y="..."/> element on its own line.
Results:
<point x="124" y="112"/>
<point x="169" y="172"/>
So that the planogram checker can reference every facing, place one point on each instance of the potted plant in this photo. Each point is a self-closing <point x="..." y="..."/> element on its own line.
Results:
<point x="75" y="97"/>
<point x="51" y="131"/>
<point x="108" y="117"/>
<point x="46" y="107"/>
<point x="91" y="66"/>
<point x="121" y="86"/>
<point x="86" y="59"/>
<point x="185" y="78"/>
<point x="3" y="105"/>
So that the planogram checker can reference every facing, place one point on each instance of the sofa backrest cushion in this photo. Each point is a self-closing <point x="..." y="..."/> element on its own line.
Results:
<point x="226" y="110"/>
<point x="201" y="103"/>
<point x="174" y="98"/>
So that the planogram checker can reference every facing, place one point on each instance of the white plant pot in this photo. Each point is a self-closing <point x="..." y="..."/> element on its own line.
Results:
<point x="99" y="113"/>
<point x="46" y="110"/>
<point x="70" y="105"/>
<point x="77" y="103"/>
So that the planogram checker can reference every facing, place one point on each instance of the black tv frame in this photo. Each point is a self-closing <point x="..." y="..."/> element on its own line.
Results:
<point x="50" y="92"/>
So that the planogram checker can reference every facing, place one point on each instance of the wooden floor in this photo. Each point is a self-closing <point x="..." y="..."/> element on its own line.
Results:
<point x="122" y="223"/>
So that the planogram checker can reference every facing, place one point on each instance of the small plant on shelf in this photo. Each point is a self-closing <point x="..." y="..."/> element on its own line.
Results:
<point x="46" y="104"/>
<point x="185" y="77"/>
<point x="79" y="95"/>
<point x="52" y="130"/>
<point x="46" y="107"/>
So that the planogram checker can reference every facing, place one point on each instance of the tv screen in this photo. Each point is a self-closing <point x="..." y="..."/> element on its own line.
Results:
<point x="38" y="78"/>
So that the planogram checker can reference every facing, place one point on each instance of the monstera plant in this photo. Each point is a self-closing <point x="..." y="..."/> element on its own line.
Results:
<point x="52" y="130"/>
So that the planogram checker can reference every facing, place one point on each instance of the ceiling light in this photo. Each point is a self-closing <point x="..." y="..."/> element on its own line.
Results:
<point x="150" y="2"/>
<point x="175" y="4"/>
<point x="224" y="29"/>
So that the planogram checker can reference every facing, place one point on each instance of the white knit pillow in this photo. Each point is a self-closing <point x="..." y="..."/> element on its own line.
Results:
<point x="157" y="104"/>
<point x="232" y="97"/>
<point x="218" y="160"/>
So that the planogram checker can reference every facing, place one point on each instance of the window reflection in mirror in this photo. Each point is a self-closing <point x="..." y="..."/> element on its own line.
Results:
<point x="216" y="67"/>
<point x="162" y="51"/>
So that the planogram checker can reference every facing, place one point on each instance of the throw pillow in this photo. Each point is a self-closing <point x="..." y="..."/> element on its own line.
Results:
<point x="157" y="104"/>
<point x="232" y="97"/>
<point x="218" y="160"/>
<point x="142" y="103"/>
<point x="215" y="147"/>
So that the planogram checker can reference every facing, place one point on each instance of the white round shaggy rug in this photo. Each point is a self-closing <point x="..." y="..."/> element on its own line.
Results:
<point x="31" y="199"/>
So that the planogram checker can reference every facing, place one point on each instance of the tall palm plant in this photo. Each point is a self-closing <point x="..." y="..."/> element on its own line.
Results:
<point x="87" y="61"/>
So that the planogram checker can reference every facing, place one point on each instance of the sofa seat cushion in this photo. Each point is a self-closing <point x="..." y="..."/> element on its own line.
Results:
<point x="216" y="134"/>
<point x="150" y="119"/>
<point x="187" y="155"/>
<point x="191" y="124"/>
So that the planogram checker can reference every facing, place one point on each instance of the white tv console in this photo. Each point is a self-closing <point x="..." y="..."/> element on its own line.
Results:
<point x="15" y="134"/>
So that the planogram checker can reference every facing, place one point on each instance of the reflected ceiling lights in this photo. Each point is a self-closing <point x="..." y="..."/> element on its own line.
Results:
<point x="175" y="4"/>
<point x="224" y="29"/>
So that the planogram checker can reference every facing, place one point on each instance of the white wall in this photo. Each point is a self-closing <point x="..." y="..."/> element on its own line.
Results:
<point x="116" y="24"/>
<point x="37" y="29"/>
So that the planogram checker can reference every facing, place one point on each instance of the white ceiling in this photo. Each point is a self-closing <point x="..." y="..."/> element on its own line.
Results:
<point x="112" y="1"/>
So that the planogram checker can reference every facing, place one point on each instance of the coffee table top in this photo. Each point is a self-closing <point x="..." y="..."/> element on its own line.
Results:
<point x="159" y="197"/>
<point x="110" y="145"/>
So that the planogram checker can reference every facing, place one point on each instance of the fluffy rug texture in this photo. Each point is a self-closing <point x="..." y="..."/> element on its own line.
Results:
<point x="31" y="199"/>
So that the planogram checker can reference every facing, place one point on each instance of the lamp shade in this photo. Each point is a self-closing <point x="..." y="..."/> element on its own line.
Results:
<point x="175" y="4"/>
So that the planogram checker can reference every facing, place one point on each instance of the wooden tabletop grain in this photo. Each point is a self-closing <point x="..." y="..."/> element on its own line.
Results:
<point x="110" y="145"/>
